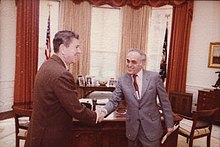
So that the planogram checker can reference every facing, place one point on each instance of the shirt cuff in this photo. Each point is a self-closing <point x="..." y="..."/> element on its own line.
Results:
<point x="104" y="111"/>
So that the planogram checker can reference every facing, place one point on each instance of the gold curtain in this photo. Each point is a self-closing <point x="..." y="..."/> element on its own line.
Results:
<point x="77" y="18"/>
<point x="26" y="50"/>
<point x="134" y="32"/>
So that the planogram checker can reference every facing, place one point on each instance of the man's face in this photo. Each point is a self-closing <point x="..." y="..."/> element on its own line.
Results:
<point x="71" y="53"/>
<point x="134" y="63"/>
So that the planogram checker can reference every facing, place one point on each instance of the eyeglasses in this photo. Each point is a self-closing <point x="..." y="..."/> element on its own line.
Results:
<point x="132" y="62"/>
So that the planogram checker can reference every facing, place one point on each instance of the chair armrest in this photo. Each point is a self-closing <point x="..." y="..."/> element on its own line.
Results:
<point x="186" y="117"/>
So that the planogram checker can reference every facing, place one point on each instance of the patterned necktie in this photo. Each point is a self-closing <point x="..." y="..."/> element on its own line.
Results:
<point x="136" y="85"/>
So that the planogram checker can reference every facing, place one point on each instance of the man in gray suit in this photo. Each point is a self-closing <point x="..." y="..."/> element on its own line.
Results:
<point x="140" y="89"/>
<point x="55" y="100"/>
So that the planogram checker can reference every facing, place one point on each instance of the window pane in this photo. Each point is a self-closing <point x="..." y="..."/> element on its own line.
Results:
<point x="105" y="30"/>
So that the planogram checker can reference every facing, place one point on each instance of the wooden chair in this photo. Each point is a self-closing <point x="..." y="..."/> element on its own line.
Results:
<point x="201" y="126"/>
<point x="22" y="118"/>
<point x="181" y="103"/>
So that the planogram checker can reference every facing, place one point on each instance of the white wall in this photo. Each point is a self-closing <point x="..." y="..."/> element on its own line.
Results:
<point x="7" y="53"/>
<point x="205" y="29"/>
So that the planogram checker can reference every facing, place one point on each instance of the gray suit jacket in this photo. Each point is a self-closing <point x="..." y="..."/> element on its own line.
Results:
<point x="55" y="103"/>
<point x="144" y="110"/>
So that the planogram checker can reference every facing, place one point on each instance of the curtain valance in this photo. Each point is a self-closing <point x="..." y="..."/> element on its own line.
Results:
<point x="134" y="3"/>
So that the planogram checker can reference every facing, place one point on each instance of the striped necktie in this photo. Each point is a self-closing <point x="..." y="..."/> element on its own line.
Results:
<point x="136" y="85"/>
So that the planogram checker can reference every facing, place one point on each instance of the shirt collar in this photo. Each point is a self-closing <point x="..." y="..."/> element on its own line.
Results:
<point x="140" y="73"/>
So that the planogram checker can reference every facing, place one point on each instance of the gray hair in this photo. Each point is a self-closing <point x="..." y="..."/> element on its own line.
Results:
<point x="143" y="55"/>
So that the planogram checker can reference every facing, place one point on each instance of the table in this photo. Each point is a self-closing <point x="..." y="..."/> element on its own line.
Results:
<point x="86" y="90"/>
<point x="111" y="133"/>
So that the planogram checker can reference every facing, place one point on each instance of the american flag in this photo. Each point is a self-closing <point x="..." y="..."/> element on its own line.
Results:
<point x="48" y="45"/>
<point x="163" y="62"/>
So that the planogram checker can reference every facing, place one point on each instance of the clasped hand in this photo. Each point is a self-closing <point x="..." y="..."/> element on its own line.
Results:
<point x="169" y="130"/>
<point x="101" y="113"/>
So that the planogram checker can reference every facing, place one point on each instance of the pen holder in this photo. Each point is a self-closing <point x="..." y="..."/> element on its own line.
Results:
<point x="88" y="105"/>
<point x="94" y="103"/>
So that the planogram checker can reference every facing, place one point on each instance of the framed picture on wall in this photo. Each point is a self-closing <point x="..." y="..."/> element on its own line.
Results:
<point x="214" y="55"/>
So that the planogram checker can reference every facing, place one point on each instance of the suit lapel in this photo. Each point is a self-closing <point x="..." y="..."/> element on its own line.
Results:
<point x="145" y="82"/>
<point x="131" y="86"/>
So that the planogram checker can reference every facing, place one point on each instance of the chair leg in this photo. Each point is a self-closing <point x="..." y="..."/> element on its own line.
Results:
<point x="190" y="142"/>
<point x="17" y="142"/>
<point x="208" y="140"/>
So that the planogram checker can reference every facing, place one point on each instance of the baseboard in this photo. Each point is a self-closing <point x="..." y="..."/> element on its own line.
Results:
<point x="6" y="115"/>
<point x="217" y="123"/>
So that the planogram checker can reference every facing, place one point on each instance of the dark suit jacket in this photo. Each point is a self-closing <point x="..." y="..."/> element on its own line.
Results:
<point x="55" y="103"/>
<point x="144" y="110"/>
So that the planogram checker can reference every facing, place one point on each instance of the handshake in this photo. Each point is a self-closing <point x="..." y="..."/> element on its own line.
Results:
<point x="101" y="113"/>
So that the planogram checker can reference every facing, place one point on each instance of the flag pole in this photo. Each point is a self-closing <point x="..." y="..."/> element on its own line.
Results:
<point x="166" y="35"/>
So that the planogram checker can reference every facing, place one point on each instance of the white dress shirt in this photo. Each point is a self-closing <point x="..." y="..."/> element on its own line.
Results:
<point x="139" y="78"/>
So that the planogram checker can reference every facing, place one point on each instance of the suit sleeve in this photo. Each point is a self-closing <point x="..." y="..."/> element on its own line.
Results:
<point x="165" y="103"/>
<point x="116" y="98"/>
<point x="65" y="90"/>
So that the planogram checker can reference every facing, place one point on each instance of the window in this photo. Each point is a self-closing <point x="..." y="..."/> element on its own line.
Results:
<point x="156" y="36"/>
<point x="105" y="40"/>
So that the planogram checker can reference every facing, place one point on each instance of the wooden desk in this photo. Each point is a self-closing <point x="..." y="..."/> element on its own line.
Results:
<point x="111" y="133"/>
<point x="23" y="106"/>
<point x="209" y="99"/>
<point x="86" y="90"/>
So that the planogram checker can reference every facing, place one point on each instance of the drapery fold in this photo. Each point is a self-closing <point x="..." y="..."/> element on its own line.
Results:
<point x="27" y="33"/>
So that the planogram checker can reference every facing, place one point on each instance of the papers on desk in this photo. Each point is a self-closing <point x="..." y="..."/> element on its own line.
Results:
<point x="166" y="135"/>
<point x="102" y="101"/>
<point x="85" y="100"/>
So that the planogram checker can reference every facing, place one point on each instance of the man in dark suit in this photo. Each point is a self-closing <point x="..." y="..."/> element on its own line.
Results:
<point x="140" y="89"/>
<point x="55" y="101"/>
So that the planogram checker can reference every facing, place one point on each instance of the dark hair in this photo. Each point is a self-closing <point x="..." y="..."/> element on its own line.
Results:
<point x="63" y="37"/>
